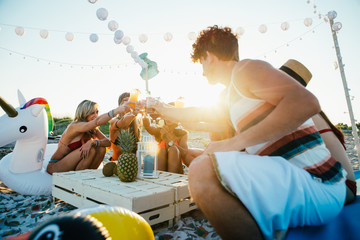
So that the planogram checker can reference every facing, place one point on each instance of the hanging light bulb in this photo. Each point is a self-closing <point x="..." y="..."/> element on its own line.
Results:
<point x="262" y="28"/>
<point x="332" y="15"/>
<point x="285" y="26"/>
<point x="119" y="34"/>
<point x="168" y="37"/>
<point x="308" y="22"/>
<point x="240" y="31"/>
<point x="336" y="26"/>
<point x="143" y="38"/>
<point x="94" y="37"/>
<point x="102" y="14"/>
<point x="69" y="36"/>
<point x="192" y="36"/>
<point x="126" y="40"/>
<point x="113" y="25"/>
<point x="19" y="31"/>
<point x="44" y="33"/>
<point x="117" y="41"/>
<point x="130" y="49"/>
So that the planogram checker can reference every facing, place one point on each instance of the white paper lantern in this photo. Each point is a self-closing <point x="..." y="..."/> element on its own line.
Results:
<point x="134" y="55"/>
<point x="285" y="26"/>
<point x="143" y="38"/>
<point x="129" y="48"/>
<point x="113" y="25"/>
<point x="69" y="36"/>
<point x="44" y="33"/>
<point x="94" y="37"/>
<point x="19" y="31"/>
<point x="119" y="34"/>
<point x="126" y="40"/>
<point x="308" y="22"/>
<point x="262" y="28"/>
<point x="336" y="26"/>
<point x="168" y="37"/>
<point x="332" y="15"/>
<point x="143" y="64"/>
<point x="92" y="1"/>
<point x="192" y="36"/>
<point x="240" y="31"/>
<point x="102" y="14"/>
<point x="117" y="41"/>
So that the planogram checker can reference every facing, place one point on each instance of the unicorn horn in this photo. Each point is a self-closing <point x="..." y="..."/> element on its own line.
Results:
<point x="10" y="110"/>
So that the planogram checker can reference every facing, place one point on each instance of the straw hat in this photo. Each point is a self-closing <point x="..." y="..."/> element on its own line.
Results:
<point x="298" y="71"/>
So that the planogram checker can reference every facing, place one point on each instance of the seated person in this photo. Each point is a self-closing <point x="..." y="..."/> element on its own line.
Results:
<point x="333" y="137"/>
<point x="83" y="145"/>
<point x="172" y="144"/>
<point x="128" y="121"/>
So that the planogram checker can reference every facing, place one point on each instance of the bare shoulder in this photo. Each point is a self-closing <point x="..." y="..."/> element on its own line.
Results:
<point x="252" y="66"/>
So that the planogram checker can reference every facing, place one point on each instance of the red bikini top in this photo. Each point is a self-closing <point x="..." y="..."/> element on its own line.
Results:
<point x="75" y="145"/>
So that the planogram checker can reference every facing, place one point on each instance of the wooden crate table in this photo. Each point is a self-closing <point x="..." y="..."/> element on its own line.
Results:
<point x="179" y="182"/>
<point x="154" y="202"/>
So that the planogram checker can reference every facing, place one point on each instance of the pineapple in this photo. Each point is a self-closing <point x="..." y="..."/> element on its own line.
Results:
<point x="127" y="166"/>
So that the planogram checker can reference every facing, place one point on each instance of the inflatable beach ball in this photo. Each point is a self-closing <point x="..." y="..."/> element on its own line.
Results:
<point x="99" y="222"/>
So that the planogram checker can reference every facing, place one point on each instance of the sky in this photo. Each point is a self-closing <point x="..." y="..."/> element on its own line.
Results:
<point x="67" y="72"/>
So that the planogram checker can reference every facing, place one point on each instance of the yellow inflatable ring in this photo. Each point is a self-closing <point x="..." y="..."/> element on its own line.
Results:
<point x="120" y="223"/>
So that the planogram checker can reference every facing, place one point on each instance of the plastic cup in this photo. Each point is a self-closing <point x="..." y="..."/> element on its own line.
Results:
<point x="134" y="94"/>
<point x="150" y="102"/>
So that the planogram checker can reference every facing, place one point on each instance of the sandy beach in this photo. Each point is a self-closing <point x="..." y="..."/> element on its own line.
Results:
<point x="21" y="213"/>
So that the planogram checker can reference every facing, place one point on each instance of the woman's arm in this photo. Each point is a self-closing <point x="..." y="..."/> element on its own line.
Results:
<point x="125" y="121"/>
<point x="103" y="140"/>
<point x="102" y="119"/>
<point x="188" y="114"/>
<point x="183" y="146"/>
<point x="150" y="129"/>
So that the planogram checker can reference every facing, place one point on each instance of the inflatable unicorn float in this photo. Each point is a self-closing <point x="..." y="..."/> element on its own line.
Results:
<point x="24" y="170"/>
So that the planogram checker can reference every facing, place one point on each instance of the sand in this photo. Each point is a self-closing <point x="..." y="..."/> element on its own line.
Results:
<point x="19" y="213"/>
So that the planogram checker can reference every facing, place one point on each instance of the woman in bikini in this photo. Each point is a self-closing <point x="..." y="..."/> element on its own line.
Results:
<point x="335" y="142"/>
<point x="333" y="137"/>
<point x="83" y="145"/>
<point x="128" y="121"/>
<point x="172" y="146"/>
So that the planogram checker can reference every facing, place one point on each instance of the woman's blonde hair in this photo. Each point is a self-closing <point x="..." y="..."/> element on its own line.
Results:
<point x="83" y="110"/>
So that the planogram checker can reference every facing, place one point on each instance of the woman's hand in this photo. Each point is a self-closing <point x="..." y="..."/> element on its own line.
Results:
<point x="85" y="149"/>
<point x="125" y="107"/>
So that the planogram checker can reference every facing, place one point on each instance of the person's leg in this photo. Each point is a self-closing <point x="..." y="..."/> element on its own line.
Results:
<point x="98" y="158"/>
<point x="174" y="161"/>
<point x="67" y="163"/>
<point x="162" y="160"/>
<point x="86" y="162"/>
<point x="227" y="214"/>
<point x="191" y="155"/>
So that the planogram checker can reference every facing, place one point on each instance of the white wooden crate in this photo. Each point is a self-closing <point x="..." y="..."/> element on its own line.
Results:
<point x="179" y="182"/>
<point x="154" y="202"/>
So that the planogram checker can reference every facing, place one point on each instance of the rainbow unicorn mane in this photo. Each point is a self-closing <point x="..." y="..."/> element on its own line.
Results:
<point x="42" y="101"/>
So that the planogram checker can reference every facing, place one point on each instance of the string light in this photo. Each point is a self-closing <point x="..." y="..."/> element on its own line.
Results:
<point x="113" y="25"/>
<point x="300" y="37"/>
